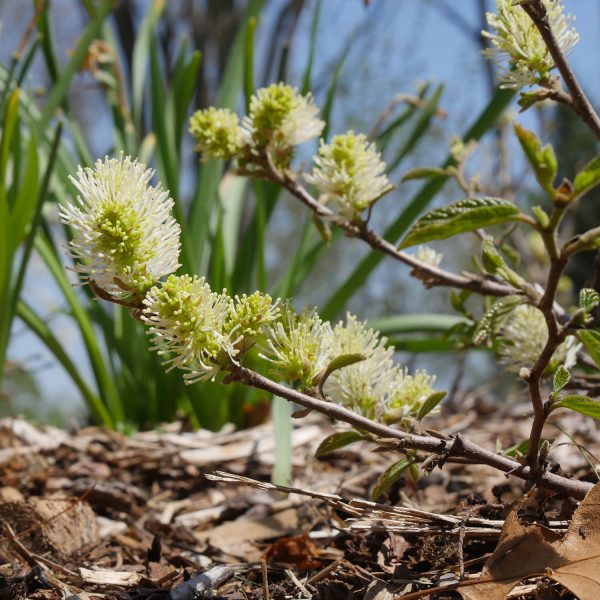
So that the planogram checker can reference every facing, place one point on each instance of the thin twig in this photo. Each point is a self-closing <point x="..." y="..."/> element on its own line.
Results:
<point x="580" y="103"/>
<point x="430" y="276"/>
<point x="458" y="447"/>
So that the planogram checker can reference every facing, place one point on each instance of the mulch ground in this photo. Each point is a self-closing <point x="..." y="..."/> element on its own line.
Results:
<point x="170" y="515"/>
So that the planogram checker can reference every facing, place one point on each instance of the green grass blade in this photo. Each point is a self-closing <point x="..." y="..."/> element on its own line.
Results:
<point x="314" y="28"/>
<point x="139" y="63"/>
<point x="61" y="85"/>
<point x="43" y="332"/>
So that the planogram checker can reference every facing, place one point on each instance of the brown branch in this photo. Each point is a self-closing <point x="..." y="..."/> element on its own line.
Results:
<point x="579" y="101"/>
<point x="430" y="276"/>
<point x="457" y="447"/>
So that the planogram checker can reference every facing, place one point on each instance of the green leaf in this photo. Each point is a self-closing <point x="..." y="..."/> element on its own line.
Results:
<point x="490" y="257"/>
<point x="541" y="216"/>
<point x="542" y="159"/>
<point x="417" y="323"/>
<point x="337" y="441"/>
<point x="587" y="178"/>
<point x="588" y="299"/>
<point x="390" y="476"/>
<point x="561" y="378"/>
<point x="459" y="217"/>
<point x="339" y="362"/>
<point x="432" y="401"/>
<point x="591" y="340"/>
<point x="582" y="404"/>
<point x="427" y="173"/>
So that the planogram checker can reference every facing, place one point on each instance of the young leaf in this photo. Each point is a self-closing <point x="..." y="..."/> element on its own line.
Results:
<point x="491" y="322"/>
<point x="561" y="378"/>
<point x="389" y="477"/>
<point x="587" y="178"/>
<point x="459" y="217"/>
<point x="582" y="404"/>
<point x="427" y="173"/>
<point x="542" y="159"/>
<point x="591" y="340"/>
<point x="339" y="362"/>
<point x="541" y="216"/>
<point x="588" y="299"/>
<point x="337" y="441"/>
<point x="432" y="401"/>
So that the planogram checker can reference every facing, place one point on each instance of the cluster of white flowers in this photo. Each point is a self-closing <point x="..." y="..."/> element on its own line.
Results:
<point x="187" y="321"/>
<point x="376" y="387"/>
<point x="350" y="173"/>
<point x="523" y="337"/>
<point x="300" y="347"/>
<point x="218" y="133"/>
<point x="516" y="41"/>
<point x="281" y="118"/>
<point x="428" y="255"/>
<point x="124" y="234"/>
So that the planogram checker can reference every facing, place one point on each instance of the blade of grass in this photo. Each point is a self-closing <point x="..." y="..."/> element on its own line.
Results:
<point x="43" y="332"/>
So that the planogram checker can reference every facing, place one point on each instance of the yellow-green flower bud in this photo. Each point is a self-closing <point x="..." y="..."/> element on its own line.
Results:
<point x="217" y="132"/>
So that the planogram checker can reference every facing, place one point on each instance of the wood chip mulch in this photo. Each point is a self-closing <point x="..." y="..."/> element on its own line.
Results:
<point x="95" y="514"/>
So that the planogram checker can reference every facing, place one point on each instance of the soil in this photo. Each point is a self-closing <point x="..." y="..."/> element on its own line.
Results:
<point x="173" y="514"/>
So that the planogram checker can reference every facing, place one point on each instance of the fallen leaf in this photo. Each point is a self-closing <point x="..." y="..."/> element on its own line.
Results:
<point x="300" y="551"/>
<point x="526" y="551"/>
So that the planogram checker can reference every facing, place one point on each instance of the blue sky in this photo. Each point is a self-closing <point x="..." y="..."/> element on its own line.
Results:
<point x="394" y="44"/>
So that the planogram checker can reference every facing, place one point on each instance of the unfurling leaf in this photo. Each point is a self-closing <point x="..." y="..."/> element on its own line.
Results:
<point x="588" y="299"/>
<point x="390" y="476"/>
<point x="587" y="178"/>
<point x="339" y="362"/>
<point x="490" y="257"/>
<point x="427" y="173"/>
<point x="591" y="340"/>
<point x="541" y="216"/>
<point x="493" y="319"/>
<point x="561" y="378"/>
<point x="541" y="158"/>
<point x="459" y="217"/>
<point x="582" y="404"/>
<point x="430" y="403"/>
<point x="337" y="441"/>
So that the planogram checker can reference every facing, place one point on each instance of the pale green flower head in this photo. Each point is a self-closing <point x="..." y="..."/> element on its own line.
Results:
<point x="523" y="337"/>
<point x="298" y="346"/>
<point x="350" y="173"/>
<point x="281" y="118"/>
<point x="249" y="315"/>
<point x="361" y="386"/>
<point x="428" y="255"/>
<point x="124" y="233"/>
<point x="518" y="44"/>
<point x="407" y="394"/>
<point x="187" y="320"/>
<point x="217" y="132"/>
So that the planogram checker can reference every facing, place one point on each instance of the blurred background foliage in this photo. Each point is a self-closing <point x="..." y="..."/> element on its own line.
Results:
<point x="83" y="78"/>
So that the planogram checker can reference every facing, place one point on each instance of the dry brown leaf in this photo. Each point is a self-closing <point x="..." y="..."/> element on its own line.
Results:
<point x="533" y="550"/>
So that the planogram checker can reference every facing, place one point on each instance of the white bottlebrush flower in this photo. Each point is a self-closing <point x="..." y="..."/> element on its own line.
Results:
<point x="217" y="132"/>
<point x="516" y="40"/>
<point x="407" y="394"/>
<point x="362" y="386"/>
<point x="124" y="233"/>
<point x="428" y="256"/>
<point x="187" y="319"/>
<point x="298" y="346"/>
<point x="523" y="337"/>
<point x="249" y="315"/>
<point x="350" y="173"/>
<point x="281" y="118"/>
